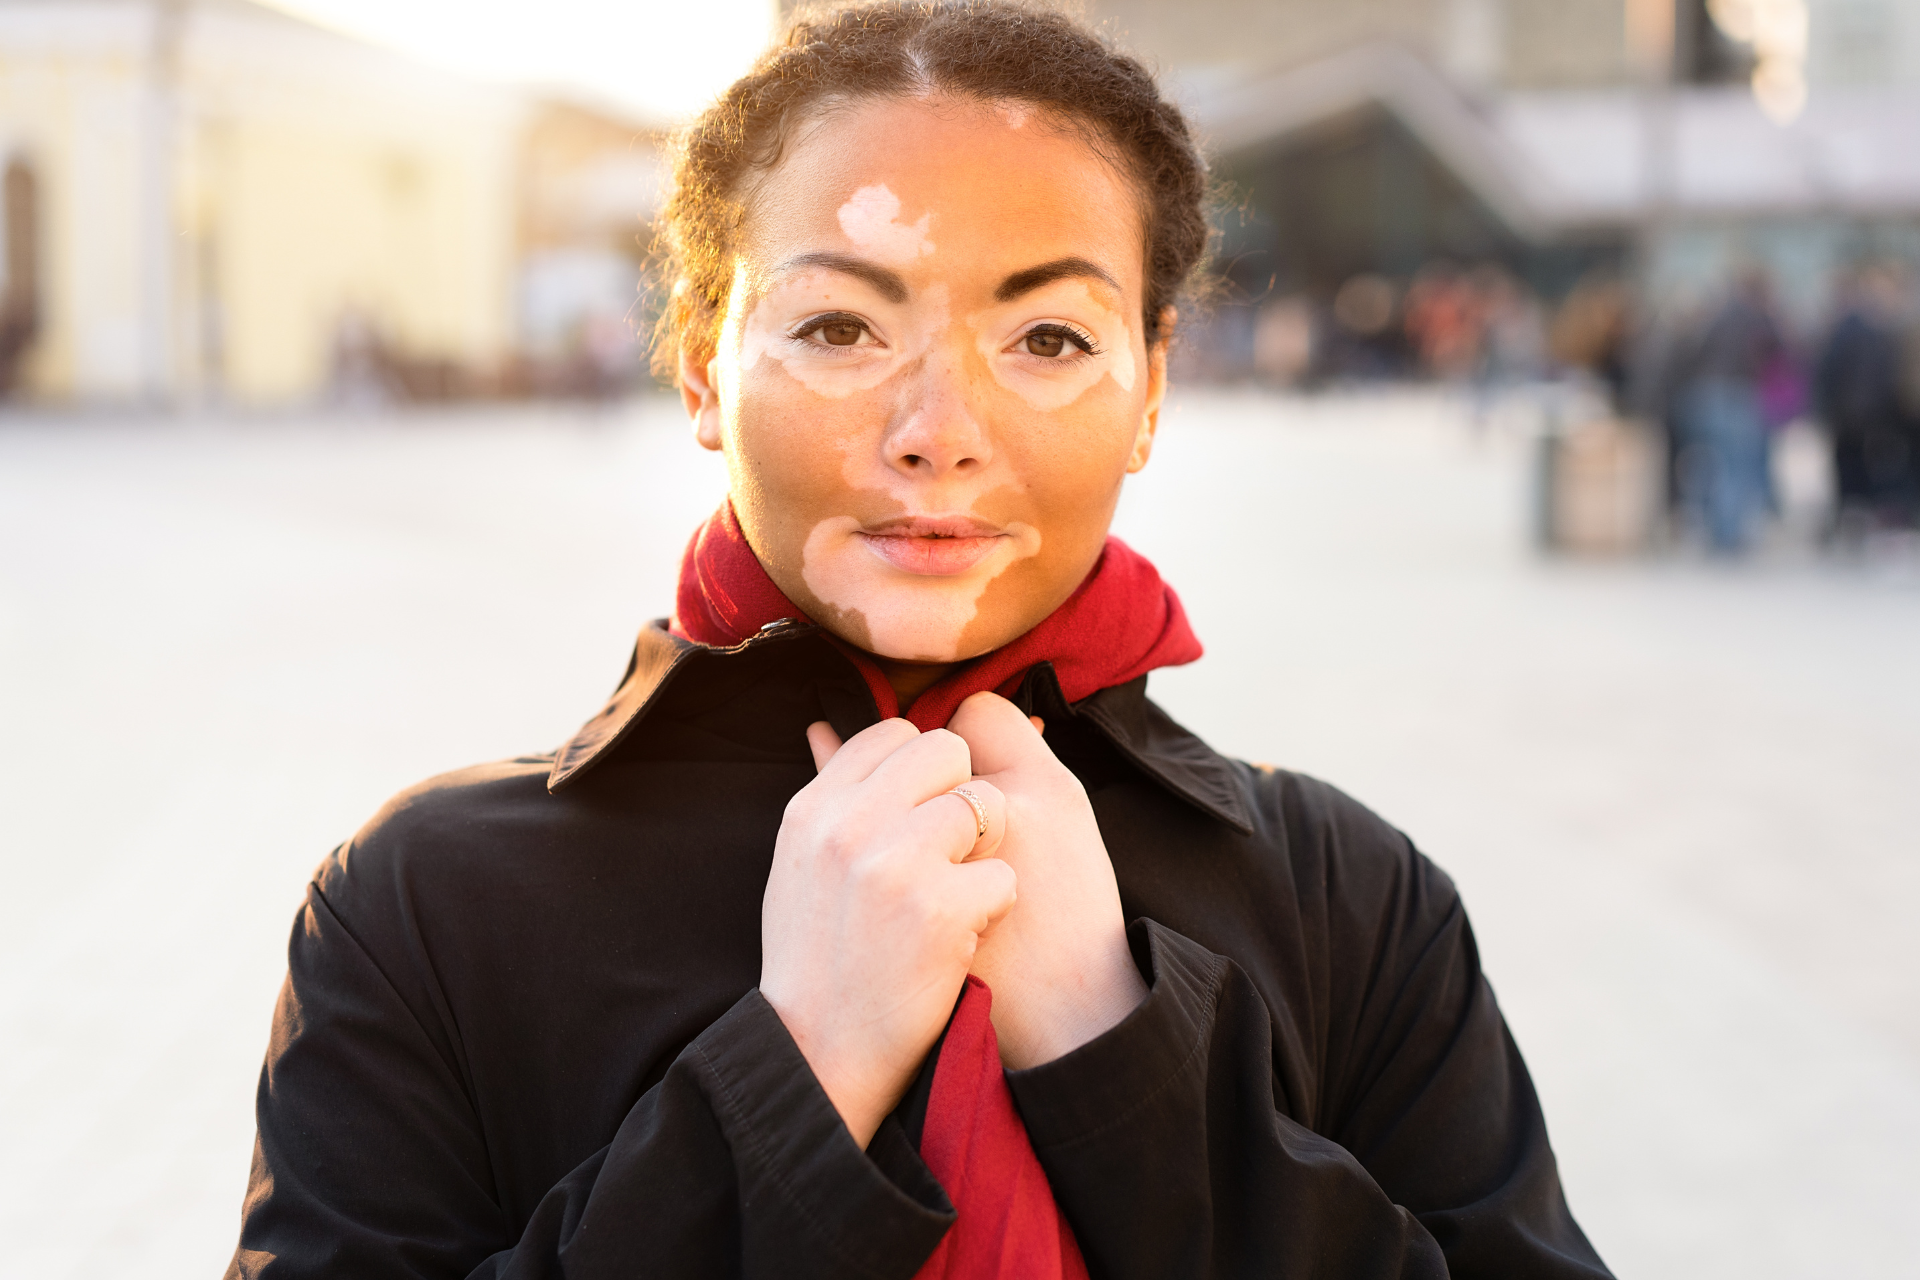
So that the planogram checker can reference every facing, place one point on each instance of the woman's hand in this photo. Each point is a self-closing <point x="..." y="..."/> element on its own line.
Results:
<point x="1058" y="963"/>
<point x="879" y="892"/>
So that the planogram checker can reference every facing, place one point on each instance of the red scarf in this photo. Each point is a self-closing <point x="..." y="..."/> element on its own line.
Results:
<point x="1119" y="624"/>
<point x="975" y="1144"/>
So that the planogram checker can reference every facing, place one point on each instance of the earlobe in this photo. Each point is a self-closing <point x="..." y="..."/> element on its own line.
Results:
<point x="1143" y="442"/>
<point x="702" y="398"/>
<point x="1156" y="393"/>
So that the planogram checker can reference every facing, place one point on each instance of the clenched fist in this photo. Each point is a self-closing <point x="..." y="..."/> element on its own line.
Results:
<point x="1058" y="962"/>
<point x="880" y="890"/>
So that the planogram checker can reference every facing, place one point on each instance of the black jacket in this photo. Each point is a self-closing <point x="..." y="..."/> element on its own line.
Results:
<point x="520" y="1034"/>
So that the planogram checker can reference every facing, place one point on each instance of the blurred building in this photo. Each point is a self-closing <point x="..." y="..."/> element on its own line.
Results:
<point x="209" y="200"/>
<point x="1672" y="141"/>
<point x="588" y="181"/>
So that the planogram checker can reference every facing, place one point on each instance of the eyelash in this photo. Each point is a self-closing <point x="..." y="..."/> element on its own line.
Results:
<point x="1087" y="343"/>
<point x="808" y="327"/>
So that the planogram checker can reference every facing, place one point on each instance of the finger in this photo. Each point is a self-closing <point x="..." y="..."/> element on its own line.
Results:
<point x="982" y="892"/>
<point x="823" y="742"/>
<point x="1039" y="725"/>
<point x="923" y="768"/>
<point x="953" y="825"/>
<point x="997" y="735"/>
<point x="861" y="754"/>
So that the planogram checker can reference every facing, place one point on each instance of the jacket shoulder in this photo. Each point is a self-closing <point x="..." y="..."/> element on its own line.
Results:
<point x="451" y="825"/>
<point x="1341" y="853"/>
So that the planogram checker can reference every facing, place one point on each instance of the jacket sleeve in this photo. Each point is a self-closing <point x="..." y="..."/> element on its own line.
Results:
<point x="369" y="1161"/>
<point x="1167" y="1150"/>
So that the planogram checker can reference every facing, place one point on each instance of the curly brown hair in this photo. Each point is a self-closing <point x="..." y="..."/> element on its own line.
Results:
<point x="992" y="50"/>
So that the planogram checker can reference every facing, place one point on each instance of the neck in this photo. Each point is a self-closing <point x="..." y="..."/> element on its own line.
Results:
<point x="911" y="679"/>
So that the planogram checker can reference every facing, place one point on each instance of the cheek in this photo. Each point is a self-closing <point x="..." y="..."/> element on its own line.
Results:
<point x="790" y="459"/>
<point x="1070" y="462"/>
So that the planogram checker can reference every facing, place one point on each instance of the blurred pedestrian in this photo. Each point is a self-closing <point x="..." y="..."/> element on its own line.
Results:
<point x="1442" y="318"/>
<point x="1857" y="392"/>
<point x="1362" y="338"/>
<point x="1664" y="336"/>
<point x="1723" y="429"/>
<point x="1513" y="336"/>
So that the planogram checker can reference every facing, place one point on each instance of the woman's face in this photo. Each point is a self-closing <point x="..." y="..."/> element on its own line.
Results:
<point x="932" y="379"/>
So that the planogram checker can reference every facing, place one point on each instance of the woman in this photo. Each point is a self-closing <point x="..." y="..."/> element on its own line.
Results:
<point x="680" y="999"/>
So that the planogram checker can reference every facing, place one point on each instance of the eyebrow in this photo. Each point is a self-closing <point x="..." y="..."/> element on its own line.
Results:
<point x="887" y="283"/>
<point x="891" y="287"/>
<point x="1047" y="272"/>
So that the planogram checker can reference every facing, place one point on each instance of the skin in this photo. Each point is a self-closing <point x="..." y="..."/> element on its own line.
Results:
<point x="929" y="386"/>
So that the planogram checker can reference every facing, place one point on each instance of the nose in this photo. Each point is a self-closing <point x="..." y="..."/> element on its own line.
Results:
<point x="936" y="432"/>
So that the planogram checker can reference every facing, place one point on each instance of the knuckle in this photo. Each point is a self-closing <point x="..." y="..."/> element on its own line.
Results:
<point x="949" y="745"/>
<point x="1006" y="881"/>
<point x="895" y="731"/>
<point x="1066" y="783"/>
<point x="873" y="877"/>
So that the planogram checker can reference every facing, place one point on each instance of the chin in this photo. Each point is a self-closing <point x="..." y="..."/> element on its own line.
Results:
<point x="908" y="617"/>
<point x="914" y="621"/>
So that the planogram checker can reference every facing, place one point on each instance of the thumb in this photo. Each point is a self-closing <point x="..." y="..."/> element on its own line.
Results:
<point x="997" y="735"/>
<point x="824" y="742"/>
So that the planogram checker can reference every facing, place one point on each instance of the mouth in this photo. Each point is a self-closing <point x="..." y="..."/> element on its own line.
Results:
<point x="931" y="546"/>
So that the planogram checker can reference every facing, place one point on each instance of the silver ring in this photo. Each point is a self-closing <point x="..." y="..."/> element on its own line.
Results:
<point x="979" y="810"/>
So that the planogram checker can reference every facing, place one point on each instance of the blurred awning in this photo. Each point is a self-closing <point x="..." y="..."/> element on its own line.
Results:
<point x="1548" y="162"/>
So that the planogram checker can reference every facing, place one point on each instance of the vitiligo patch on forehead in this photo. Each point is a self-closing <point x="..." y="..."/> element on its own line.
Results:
<point x="871" y="219"/>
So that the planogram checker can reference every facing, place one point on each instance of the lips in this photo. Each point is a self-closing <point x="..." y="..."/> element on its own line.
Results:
<point x="933" y="546"/>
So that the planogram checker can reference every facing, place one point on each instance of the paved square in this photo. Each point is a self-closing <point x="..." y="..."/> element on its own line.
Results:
<point x="1683" y="800"/>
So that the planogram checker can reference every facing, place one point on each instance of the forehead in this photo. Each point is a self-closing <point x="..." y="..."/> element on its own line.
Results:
<point x="1005" y="186"/>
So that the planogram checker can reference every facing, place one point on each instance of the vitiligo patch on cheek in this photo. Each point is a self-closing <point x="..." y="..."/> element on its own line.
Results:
<point x="871" y="219"/>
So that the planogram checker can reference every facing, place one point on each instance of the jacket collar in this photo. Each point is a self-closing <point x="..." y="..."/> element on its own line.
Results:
<point x="1146" y="736"/>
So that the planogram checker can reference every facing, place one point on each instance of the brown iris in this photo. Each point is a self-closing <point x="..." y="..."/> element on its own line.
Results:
<point x="840" y="333"/>
<point x="1046" y="344"/>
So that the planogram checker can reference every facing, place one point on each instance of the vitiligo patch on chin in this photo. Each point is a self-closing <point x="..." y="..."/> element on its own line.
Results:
<point x="907" y="617"/>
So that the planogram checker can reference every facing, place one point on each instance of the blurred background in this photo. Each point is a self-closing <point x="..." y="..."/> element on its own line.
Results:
<point x="1543" y="469"/>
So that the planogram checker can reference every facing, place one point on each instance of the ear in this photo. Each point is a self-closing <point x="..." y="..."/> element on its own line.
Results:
<point x="701" y="396"/>
<point x="1156" y="392"/>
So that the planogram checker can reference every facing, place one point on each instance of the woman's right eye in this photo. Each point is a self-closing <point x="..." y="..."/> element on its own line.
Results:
<point x="840" y="333"/>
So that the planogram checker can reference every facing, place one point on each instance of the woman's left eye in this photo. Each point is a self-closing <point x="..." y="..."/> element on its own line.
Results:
<point x="836" y="329"/>
<point x="1051" y="341"/>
